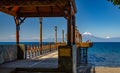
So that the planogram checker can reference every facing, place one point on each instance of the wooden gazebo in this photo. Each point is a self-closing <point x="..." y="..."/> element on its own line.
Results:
<point x="21" y="9"/>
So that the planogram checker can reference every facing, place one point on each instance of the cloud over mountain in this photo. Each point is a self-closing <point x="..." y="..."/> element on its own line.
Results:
<point x="87" y="33"/>
<point x="88" y="36"/>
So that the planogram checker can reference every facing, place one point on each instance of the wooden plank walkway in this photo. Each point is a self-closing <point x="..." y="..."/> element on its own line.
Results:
<point x="49" y="60"/>
<point x="46" y="62"/>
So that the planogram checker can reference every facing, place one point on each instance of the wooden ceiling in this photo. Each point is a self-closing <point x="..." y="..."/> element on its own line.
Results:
<point x="37" y="8"/>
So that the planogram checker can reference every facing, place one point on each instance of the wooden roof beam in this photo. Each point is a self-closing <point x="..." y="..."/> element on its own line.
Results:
<point x="73" y="6"/>
<point x="33" y="14"/>
<point x="8" y="12"/>
<point x="26" y="3"/>
<point x="62" y="9"/>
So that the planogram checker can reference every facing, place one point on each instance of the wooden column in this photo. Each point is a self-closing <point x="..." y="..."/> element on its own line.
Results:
<point x="86" y="55"/>
<point x="40" y="35"/>
<point x="76" y="35"/>
<point x="17" y="29"/>
<point x="69" y="25"/>
<point x="80" y="38"/>
<point x="73" y="23"/>
<point x="66" y="37"/>
<point x="55" y="34"/>
<point x="62" y="35"/>
<point x="71" y="32"/>
<point x="79" y="56"/>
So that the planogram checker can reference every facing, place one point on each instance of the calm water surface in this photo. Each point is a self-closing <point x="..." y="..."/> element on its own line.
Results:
<point x="105" y="54"/>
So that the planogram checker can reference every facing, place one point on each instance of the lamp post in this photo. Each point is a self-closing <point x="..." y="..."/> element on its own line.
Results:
<point x="62" y="35"/>
<point x="55" y="34"/>
<point x="41" y="34"/>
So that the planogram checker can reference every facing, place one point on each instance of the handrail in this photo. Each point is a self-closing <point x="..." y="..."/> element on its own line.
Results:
<point x="34" y="50"/>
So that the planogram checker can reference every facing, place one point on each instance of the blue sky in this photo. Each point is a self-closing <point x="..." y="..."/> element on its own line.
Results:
<point x="98" y="17"/>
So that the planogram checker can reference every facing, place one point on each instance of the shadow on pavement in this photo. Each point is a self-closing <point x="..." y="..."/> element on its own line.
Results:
<point x="88" y="68"/>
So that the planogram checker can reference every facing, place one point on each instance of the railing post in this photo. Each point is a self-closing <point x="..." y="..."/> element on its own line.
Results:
<point x="35" y="50"/>
<point x="78" y="56"/>
<point x="32" y="51"/>
<point x="50" y="46"/>
<point x="25" y="51"/>
<point x="86" y="55"/>
<point x="28" y="51"/>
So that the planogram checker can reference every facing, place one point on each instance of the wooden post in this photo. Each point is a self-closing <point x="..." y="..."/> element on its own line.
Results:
<point x="80" y="38"/>
<point x="62" y="35"/>
<point x="55" y="34"/>
<point x="40" y="35"/>
<point x="78" y="56"/>
<point x="17" y="29"/>
<point x="50" y="46"/>
<point x="69" y="25"/>
<point x="86" y="55"/>
<point x="56" y="37"/>
<point x="66" y="37"/>
<point x="76" y="39"/>
<point x="71" y="32"/>
<point x="73" y="23"/>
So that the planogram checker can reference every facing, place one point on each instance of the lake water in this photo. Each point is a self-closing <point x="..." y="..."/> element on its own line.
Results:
<point x="105" y="54"/>
<point x="101" y="54"/>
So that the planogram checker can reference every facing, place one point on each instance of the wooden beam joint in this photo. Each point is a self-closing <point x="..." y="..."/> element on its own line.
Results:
<point x="18" y="22"/>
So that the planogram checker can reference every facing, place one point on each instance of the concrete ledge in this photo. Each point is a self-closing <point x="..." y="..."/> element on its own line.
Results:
<point x="8" y="53"/>
<point x="12" y="52"/>
<point x="21" y="51"/>
<point x="65" y="59"/>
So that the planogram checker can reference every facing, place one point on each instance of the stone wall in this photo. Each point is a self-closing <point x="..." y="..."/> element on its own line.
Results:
<point x="8" y="53"/>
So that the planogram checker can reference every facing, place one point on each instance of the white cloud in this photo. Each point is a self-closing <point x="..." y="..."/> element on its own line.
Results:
<point x="108" y="37"/>
<point x="87" y="33"/>
<point x="29" y="38"/>
<point x="13" y="36"/>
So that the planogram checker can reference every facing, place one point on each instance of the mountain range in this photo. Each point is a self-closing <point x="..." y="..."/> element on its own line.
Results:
<point x="85" y="37"/>
<point x="93" y="38"/>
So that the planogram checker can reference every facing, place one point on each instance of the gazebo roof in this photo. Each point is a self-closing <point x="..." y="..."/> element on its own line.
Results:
<point x="37" y="8"/>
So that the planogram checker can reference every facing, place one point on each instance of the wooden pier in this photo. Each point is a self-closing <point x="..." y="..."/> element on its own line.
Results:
<point x="36" y="58"/>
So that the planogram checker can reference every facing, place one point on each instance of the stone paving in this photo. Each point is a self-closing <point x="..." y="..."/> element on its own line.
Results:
<point x="49" y="60"/>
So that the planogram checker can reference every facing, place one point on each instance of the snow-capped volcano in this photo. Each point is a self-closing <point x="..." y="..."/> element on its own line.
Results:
<point x="88" y="36"/>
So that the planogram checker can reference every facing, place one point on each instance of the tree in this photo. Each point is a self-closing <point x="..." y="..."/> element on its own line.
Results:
<point x="115" y="2"/>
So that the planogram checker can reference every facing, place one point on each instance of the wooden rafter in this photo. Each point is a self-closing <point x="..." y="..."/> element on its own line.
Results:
<point x="24" y="3"/>
<point x="37" y="8"/>
<point x="18" y="9"/>
<point x="62" y="9"/>
<point x="8" y="12"/>
<point x="10" y="8"/>
<point x="41" y="14"/>
<point x="73" y="6"/>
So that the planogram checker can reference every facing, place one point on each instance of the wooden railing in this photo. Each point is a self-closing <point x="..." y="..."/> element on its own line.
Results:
<point x="86" y="44"/>
<point x="34" y="50"/>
